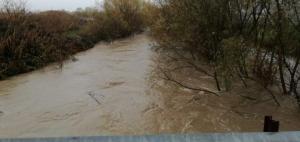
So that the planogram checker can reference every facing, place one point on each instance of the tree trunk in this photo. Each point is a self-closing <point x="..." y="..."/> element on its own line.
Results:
<point x="281" y="73"/>
<point x="217" y="81"/>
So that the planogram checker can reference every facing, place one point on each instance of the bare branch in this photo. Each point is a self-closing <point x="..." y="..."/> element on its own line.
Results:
<point x="169" y="78"/>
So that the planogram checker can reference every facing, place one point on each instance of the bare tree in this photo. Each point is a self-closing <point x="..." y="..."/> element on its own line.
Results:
<point x="234" y="37"/>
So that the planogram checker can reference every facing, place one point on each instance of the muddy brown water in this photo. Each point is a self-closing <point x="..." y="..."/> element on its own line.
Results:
<point x="109" y="91"/>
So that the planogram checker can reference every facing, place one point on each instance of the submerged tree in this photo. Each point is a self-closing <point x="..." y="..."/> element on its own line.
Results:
<point x="246" y="39"/>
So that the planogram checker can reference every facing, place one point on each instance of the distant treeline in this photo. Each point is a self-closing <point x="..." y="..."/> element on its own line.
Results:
<point x="257" y="40"/>
<point x="32" y="40"/>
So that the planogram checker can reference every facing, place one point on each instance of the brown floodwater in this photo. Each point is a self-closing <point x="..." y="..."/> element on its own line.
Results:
<point x="111" y="90"/>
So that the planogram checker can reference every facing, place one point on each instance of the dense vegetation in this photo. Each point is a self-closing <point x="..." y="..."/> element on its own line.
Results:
<point x="256" y="40"/>
<point x="32" y="40"/>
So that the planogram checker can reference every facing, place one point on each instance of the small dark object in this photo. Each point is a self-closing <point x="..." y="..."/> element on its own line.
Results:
<point x="74" y="59"/>
<point x="94" y="97"/>
<point x="271" y="125"/>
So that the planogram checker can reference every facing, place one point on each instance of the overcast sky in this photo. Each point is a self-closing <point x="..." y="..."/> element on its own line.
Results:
<point x="69" y="5"/>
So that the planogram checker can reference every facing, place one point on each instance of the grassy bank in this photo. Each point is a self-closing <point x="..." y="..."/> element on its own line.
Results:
<point x="29" y="40"/>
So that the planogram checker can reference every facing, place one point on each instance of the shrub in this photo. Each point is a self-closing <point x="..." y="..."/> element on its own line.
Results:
<point x="119" y="18"/>
<point x="235" y="37"/>
<point x="32" y="40"/>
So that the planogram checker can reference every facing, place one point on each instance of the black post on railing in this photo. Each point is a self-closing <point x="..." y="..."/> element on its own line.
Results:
<point x="271" y="125"/>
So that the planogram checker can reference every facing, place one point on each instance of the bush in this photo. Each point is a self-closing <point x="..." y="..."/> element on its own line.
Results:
<point x="235" y="37"/>
<point x="119" y="18"/>
<point x="32" y="40"/>
<point x="49" y="21"/>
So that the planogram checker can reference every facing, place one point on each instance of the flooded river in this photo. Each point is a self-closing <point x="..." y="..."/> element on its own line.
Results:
<point x="109" y="90"/>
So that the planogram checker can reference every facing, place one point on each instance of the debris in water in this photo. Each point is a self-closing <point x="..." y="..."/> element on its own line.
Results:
<point x="113" y="84"/>
<point x="201" y="93"/>
<point x="74" y="59"/>
<point x="93" y="96"/>
<point x="1" y="113"/>
<point x="187" y="90"/>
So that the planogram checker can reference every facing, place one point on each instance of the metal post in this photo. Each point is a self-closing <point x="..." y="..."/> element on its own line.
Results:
<point x="271" y="125"/>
